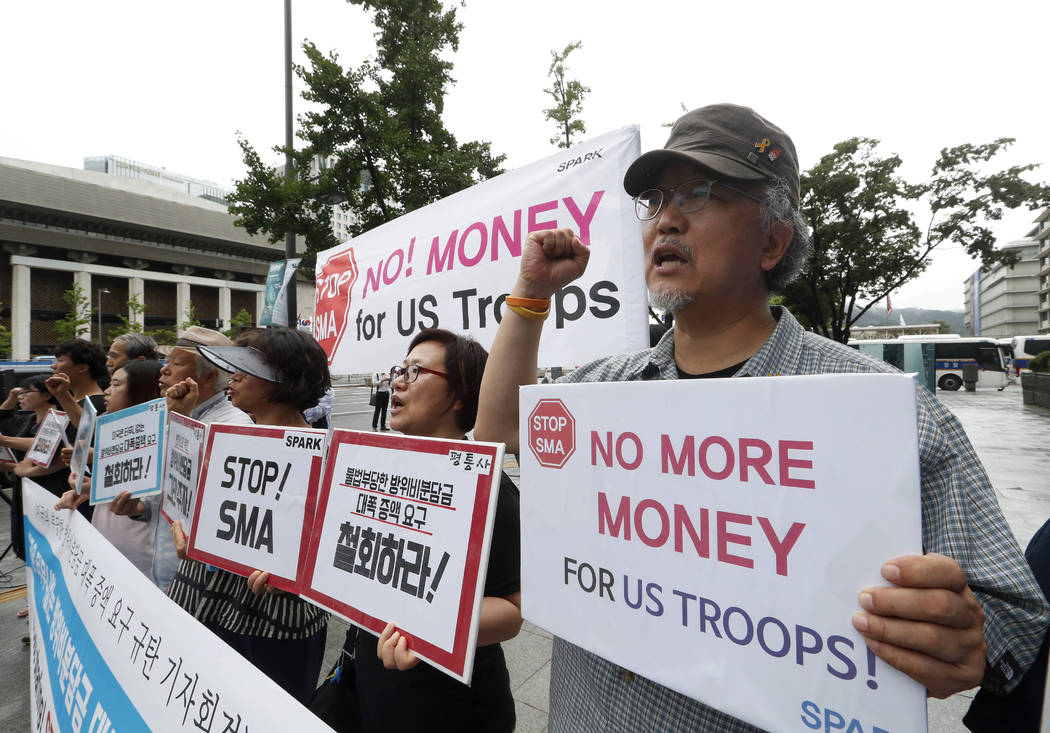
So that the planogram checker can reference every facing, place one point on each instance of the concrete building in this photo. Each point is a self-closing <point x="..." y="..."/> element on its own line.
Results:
<point x="1003" y="300"/>
<point x="121" y="237"/>
<point x="1041" y="234"/>
<point x="864" y="333"/>
<point x="117" y="166"/>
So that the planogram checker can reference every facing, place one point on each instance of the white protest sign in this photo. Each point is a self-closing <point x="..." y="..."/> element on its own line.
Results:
<point x="182" y="466"/>
<point x="48" y="436"/>
<point x="713" y="535"/>
<point x="402" y="534"/>
<point x="255" y="499"/>
<point x="450" y="264"/>
<point x="129" y="451"/>
<point x="7" y="455"/>
<point x="110" y="652"/>
<point x="82" y="443"/>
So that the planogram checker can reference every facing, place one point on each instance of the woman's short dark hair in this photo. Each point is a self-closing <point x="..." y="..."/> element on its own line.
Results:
<point x="465" y="364"/>
<point x="39" y="384"/>
<point x="80" y="351"/>
<point x="143" y="377"/>
<point x="298" y="359"/>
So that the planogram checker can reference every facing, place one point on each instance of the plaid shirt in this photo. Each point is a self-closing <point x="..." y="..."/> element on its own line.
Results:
<point x="960" y="519"/>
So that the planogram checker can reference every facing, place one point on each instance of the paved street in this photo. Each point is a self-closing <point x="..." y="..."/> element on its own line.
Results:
<point x="1010" y="439"/>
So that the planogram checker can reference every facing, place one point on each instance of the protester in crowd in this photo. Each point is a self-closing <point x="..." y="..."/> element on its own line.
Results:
<point x="279" y="375"/>
<point x="382" y="396"/>
<point x="17" y="430"/>
<point x="320" y="415"/>
<point x="129" y="346"/>
<point x="435" y="395"/>
<point x="194" y="387"/>
<point x="132" y="384"/>
<point x="722" y="230"/>
<point x="79" y="373"/>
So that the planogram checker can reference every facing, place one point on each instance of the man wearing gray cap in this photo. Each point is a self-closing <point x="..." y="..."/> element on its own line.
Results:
<point x="721" y="232"/>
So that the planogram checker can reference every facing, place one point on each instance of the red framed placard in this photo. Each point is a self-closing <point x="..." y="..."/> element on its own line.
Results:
<point x="308" y="464"/>
<point x="396" y="457"/>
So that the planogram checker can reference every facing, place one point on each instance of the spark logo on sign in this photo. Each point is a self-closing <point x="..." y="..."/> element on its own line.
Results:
<point x="552" y="433"/>
<point x="332" y="303"/>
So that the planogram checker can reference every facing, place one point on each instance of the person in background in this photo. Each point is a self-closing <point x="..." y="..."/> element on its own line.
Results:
<point x="382" y="401"/>
<point x="132" y="384"/>
<point x="79" y="374"/>
<point x="282" y="372"/>
<point x="129" y="346"/>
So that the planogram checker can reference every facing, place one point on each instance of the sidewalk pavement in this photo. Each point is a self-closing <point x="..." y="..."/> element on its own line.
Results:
<point x="1009" y="438"/>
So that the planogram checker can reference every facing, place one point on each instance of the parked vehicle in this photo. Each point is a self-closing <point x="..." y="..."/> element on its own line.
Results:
<point x="951" y="352"/>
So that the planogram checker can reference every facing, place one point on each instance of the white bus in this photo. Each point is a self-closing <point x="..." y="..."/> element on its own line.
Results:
<point x="1025" y="347"/>
<point x="950" y="351"/>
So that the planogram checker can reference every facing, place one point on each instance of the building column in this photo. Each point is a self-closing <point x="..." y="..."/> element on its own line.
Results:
<point x="260" y="304"/>
<point x="137" y="291"/>
<point x="20" y="312"/>
<point x="224" y="308"/>
<point x="83" y="279"/>
<point x="182" y="305"/>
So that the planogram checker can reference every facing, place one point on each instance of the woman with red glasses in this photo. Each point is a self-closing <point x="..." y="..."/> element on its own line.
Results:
<point x="435" y="395"/>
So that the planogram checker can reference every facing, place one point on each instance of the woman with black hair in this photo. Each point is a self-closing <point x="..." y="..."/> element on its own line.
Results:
<point x="132" y="384"/>
<point x="435" y="394"/>
<point x="277" y="373"/>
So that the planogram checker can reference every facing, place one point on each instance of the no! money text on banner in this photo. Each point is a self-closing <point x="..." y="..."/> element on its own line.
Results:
<point x="713" y="535"/>
<point x="255" y="500"/>
<point x="110" y="652"/>
<point x="402" y="534"/>
<point x="129" y="451"/>
<point x="185" y="452"/>
<point x="450" y="264"/>
<point x="48" y="437"/>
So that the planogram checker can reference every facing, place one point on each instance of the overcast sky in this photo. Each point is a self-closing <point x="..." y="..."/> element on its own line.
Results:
<point x="170" y="84"/>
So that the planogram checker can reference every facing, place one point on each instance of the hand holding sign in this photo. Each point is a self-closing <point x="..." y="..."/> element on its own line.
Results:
<point x="930" y="626"/>
<point x="393" y="650"/>
<point x="76" y="495"/>
<point x="127" y="506"/>
<point x="551" y="260"/>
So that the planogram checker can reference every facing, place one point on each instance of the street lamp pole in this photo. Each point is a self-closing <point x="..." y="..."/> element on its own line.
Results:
<point x="289" y="237"/>
<point x="100" y="292"/>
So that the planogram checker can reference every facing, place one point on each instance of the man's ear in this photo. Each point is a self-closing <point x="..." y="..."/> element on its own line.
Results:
<point x="777" y="244"/>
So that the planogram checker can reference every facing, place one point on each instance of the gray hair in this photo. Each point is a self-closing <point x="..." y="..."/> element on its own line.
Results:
<point x="779" y="206"/>
<point x="137" y="345"/>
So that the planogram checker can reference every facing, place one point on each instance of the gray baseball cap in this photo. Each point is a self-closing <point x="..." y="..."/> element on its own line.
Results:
<point x="240" y="359"/>
<point x="729" y="140"/>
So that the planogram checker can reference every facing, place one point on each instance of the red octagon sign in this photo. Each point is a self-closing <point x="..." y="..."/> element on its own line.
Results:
<point x="552" y="433"/>
<point x="335" y="278"/>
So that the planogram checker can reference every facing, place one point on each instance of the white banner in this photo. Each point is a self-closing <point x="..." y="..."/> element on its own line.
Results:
<point x="182" y="466"/>
<point x="49" y="435"/>
<point x="110" y="652"/>
<point x="450" y="264"/>
<point x="129" y="451"/>
<point x="402" y="534"/>
<point x="713" y="535"/>
<point x="255" y="499"/>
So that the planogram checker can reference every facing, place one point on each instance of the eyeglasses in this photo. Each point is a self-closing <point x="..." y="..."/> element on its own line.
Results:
<point x="688" y="197"/>
<point x="411" y="372"/>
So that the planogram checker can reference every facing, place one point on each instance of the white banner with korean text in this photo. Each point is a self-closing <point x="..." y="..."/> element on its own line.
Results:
<point x="182" y="465"/>
<point x="713" y="536"/>
<point x="110" y="652"/>
<point x="402" y="534"/>
<point x="452" y="263"/>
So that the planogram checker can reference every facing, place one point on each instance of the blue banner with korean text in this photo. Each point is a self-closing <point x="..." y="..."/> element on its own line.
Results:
<point x="110" y="652"/>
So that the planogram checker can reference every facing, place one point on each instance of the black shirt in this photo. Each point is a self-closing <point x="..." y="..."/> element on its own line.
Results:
<point x="424" y="698"/>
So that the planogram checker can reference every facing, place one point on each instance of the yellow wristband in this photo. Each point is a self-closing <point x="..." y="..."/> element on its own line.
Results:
<point x="530" y="314"/>
<point x="533" y="304"/>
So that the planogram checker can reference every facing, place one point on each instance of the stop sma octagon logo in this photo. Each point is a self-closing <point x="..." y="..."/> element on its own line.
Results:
<point x="552" y="433"/>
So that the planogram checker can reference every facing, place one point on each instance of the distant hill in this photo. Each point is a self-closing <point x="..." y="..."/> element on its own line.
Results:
<point x="877" y="317"/>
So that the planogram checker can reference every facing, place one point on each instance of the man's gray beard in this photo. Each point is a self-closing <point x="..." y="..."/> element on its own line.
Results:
<point x="670" y="301"/>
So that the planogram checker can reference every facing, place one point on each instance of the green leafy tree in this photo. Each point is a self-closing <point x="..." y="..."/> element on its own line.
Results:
<point x="78" y="319"/>
<point x="243" y="319"/>
<point x="130" y="323"/>
<point x="378" y="124"/>
<point x="568" y="97"/>
<point x="5" y="338"/>
<point x="866" y="243"/>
